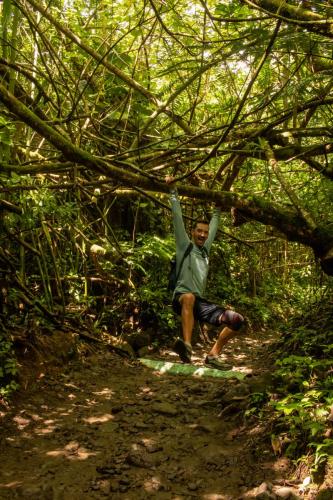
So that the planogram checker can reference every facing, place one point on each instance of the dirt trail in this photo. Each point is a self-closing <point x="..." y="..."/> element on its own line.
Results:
<point x="111" y="428"/>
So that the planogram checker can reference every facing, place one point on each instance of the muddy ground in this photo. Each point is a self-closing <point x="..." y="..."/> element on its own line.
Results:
<point x="103" y="426"/>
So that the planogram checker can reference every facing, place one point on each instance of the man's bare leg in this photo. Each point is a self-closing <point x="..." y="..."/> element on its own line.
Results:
<point x="233" y="319"/>
<point x="183" y="347"/>
<point x="225" y="335"/>
<point x="187" y="302"/>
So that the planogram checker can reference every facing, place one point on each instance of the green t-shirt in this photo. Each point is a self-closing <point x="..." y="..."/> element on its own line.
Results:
<point x="193" y="275"/>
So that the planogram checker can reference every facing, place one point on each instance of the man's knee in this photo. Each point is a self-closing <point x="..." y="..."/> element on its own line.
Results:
<point x="187" y="300"/>
<point x="232" y="319"/>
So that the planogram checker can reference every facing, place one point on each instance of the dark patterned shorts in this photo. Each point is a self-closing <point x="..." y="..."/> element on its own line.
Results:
<point x="208" y="312"/>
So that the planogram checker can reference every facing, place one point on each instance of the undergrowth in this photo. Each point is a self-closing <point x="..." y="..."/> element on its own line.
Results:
<point x="300" y="407"/>
<point x="8" y="367"/>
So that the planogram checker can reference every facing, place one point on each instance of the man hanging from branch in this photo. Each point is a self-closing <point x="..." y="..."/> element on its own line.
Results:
<point x="192" y="270"/>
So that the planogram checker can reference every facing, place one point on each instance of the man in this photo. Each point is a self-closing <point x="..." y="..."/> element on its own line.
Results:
<point x="188" y="299"/>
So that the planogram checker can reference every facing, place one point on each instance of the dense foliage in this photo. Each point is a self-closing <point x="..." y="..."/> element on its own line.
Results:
<point x="99" y="100"/>
<point x="298" y="407"/>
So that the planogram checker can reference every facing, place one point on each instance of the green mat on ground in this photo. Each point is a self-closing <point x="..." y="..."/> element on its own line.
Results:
<point x="187" y="369"/>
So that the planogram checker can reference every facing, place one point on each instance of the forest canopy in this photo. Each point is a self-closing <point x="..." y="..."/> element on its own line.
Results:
<point x="232" y="98"/>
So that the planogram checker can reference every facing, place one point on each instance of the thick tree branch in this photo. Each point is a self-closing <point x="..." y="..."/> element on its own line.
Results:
<point x="286" y="220"/>
<point x="311" y="21"/>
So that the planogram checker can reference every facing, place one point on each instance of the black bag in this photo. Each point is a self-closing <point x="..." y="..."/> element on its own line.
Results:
<point x="173" y="275"/>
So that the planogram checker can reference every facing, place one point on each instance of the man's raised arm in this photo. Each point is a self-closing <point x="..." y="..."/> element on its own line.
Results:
<point x="182" y="239"/>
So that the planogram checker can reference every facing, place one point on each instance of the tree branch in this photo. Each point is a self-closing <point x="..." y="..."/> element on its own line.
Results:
<point x="305" y="18"/>
<point x="285" y="219"/>
<point x="101" y="59"/>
